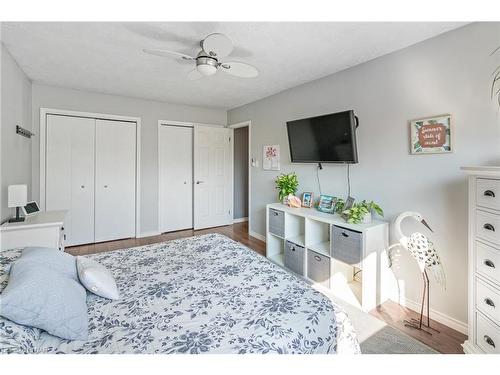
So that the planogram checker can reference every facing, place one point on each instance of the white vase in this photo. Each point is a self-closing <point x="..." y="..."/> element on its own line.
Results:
<point x="367" y="219"/>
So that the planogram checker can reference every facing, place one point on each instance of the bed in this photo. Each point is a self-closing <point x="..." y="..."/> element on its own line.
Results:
<point x="205" y="294"/>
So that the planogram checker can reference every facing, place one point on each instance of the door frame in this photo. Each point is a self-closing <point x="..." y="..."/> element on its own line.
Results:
<point x="98" y="116"/>
<point x="242" y="125"/>
<point x="188" y="124"/>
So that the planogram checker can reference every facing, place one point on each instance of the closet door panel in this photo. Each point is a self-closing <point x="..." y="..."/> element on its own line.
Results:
<point x="115" y="180"/>
<point x="69" y="176"/>
<point x="176" y="178"/>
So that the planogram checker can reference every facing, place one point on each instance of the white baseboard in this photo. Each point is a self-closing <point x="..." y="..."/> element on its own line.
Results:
<point x="240" y="220"/>
<point x="257" y="235"/>
<point x="149" y="234"/>
<point x="453" y="323"/>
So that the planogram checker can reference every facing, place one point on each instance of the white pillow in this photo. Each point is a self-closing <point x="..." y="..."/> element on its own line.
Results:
<point x="96" y="278"/>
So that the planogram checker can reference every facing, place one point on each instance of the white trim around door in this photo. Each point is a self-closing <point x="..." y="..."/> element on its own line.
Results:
<point x="99" y="116"/>
<point x="242" y="125"/>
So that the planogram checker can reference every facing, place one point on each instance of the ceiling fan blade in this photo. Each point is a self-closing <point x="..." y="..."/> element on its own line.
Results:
<point x="166" y="53"/>
<point x="217" y="45"/>
<point x="239" y="69"/>
<point x="194" y="75"/>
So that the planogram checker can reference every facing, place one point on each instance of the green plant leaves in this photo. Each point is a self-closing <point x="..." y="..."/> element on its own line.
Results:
<point x="286" y="184"/>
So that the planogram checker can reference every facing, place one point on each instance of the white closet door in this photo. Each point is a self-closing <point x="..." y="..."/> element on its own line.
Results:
<point x="176" y="178"/>
<point x="69" y="180"/>
<point x="115" y="180"/>
<point x="213" y="177"/>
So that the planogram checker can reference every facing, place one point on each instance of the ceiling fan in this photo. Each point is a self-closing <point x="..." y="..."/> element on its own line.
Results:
<point x="213" y="48"/>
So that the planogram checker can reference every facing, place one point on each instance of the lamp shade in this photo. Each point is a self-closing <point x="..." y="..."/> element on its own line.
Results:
<point x="17" y="195"/>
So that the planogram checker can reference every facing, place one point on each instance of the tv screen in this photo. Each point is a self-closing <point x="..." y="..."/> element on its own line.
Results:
<point x="323" y="139"/>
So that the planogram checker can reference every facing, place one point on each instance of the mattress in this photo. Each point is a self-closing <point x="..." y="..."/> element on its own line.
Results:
<point x="205" y="294"/>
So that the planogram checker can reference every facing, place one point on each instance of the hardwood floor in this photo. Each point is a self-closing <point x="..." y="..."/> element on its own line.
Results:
<point x="446" y="341"/>
<point x="237" y="232"/>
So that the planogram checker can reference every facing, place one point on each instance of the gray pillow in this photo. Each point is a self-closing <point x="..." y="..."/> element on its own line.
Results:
<point x="46" y="296"/>
<point x="96" y="278"/>
<point x="55" y="259"/>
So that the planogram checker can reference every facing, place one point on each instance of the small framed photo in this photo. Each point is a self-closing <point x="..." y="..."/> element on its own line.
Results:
<point x="307" y="199"/>
<point x="431" y="135"/>
<point x="327" y="203"/>
<point x="347" y="206"/>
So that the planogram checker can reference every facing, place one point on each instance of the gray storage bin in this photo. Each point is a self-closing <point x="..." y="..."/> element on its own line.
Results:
<point x="346" y="245"/>
<point x="318" y="268"/>
<point x="294" y="257"/>
<point x="277" y="222"/>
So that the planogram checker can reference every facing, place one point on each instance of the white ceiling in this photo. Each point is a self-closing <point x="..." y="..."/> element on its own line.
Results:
<point x="107" y="57"/>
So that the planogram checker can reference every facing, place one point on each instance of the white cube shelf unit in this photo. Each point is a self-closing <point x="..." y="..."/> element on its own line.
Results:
<point x="326" y="251"/>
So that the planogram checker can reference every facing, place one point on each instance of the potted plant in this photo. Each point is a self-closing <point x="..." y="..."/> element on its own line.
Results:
<point x="286" y="184"/>
<point x="362" y="212"/>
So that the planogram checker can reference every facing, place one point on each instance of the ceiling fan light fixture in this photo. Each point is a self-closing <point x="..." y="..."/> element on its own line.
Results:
<point x="207" y="66"/>
<point x="206" y="70"/>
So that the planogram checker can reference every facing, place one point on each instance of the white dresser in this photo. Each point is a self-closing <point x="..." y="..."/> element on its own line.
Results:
<point x="484" y="260"/>
<point x="42" y="229"/>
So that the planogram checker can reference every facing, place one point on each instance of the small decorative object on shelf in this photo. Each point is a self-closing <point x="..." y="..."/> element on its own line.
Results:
<point x="294" y="201"/>
<point x="286" y="184"/>
<point x="362" y="212"/>
<point x="307" y="199"/>
<point x="327" y="203"/>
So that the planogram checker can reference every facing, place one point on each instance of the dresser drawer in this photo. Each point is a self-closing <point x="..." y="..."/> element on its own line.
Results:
<point x="488" y="261"/>
<point x="294" y="257"/>
<point x="488" y="301"/>
<point x="346" y="245"/>
<point x="488" y="226"/>
<point x="277" y="222"/>
<point x="488" y="193"/>
<point x="487" y="335"/>
<point x="318" y="268"/>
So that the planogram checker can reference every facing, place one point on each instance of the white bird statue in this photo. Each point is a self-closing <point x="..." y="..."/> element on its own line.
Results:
<point x="426" y="256"/>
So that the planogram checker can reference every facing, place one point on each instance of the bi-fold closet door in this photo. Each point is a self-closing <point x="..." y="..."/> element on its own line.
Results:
<point x="91" y="172"/>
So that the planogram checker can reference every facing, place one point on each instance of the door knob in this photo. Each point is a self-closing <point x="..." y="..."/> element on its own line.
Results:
<point x="83" y="186"/>
<point x="105" y="186"/>
<point x="199" y="182"/>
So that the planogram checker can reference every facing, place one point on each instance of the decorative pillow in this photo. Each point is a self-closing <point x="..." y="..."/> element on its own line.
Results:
<point x="96" y="278"/>
<point x="55" y="259"/>
<point x="46" y="297"/>
<point x="14" y="338"/>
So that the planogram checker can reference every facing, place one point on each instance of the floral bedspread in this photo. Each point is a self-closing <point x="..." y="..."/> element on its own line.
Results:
<point x="205" y="294"/>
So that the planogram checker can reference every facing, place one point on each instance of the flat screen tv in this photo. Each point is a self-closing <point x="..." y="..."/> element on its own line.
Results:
<point x="324" y="139"/>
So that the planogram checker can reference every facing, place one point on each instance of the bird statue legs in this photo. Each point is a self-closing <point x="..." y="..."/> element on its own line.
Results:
<point x="419" y="323"/>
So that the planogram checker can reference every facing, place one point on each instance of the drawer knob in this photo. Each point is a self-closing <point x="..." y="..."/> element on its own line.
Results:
<point x="317" y="258"/>
<point x="489" y="193"/>
<point x="275" y="213"/>
<point x="489" y="341"/>
<point x="489" y="263"/>
<point x="488" y="226"/>
<point x="345" y="234"/>
<point x="489" y="302"/>
<point x="292" y="248"/>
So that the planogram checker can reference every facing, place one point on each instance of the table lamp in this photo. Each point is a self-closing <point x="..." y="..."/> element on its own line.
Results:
<point x="17" y="197"/>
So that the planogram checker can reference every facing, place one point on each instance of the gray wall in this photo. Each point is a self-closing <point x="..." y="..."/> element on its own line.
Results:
<point x="149" y="111"/>
<point x="16" y="110"/>
<point x="240" y="172"/>
<point x="447" y="74"/>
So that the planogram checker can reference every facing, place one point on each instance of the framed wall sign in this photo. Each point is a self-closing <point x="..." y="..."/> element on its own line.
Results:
<point x="431" y="135"/>
<point x="271" y="158"/>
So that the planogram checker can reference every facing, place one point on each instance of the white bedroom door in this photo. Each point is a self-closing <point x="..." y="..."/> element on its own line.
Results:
<point x="115" y="171"/>
<point x="213" y="177"/>
<point x="176" y="177"/>
<point x="69" y="176"/>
